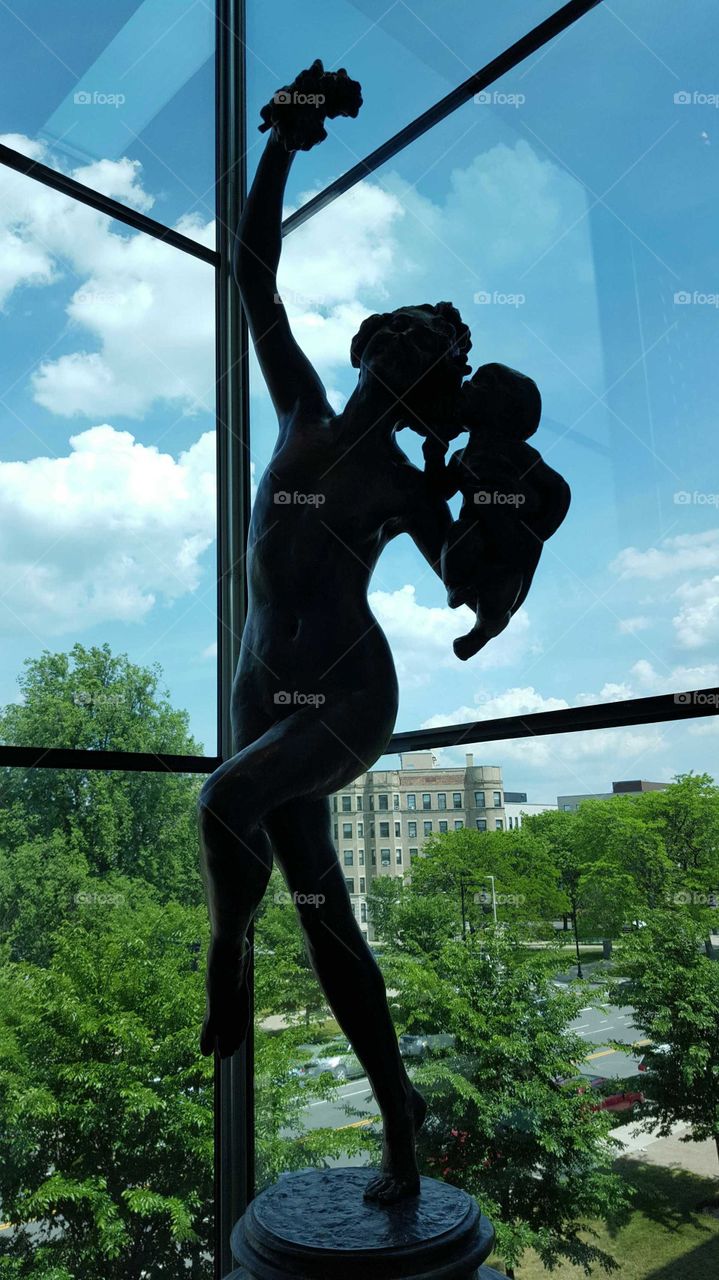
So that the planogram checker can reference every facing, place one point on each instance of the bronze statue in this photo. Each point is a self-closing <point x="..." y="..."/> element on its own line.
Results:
<point x="512" y="502"/>
<point x="315" y="695"/>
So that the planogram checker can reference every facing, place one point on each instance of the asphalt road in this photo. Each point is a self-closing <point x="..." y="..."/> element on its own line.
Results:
<point x="596" y="1025"/>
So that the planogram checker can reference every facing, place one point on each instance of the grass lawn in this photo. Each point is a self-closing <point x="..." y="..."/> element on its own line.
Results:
<point x="666" y="1238"/>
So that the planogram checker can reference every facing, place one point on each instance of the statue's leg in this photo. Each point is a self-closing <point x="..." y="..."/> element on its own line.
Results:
<point x="300" y="754"/>
<point x="236" y="862"/>
<point x="352" y="981"/>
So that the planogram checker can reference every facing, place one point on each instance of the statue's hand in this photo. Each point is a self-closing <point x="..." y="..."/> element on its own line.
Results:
<point x="297" y="113"/>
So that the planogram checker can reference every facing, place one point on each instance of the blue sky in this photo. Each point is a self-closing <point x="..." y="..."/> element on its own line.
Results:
<point x="572" y="218"/>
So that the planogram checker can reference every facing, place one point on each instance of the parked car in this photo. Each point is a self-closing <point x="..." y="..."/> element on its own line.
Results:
<point x="425" y="1045"/>
<point x="647" y="1062"/>
<point x="337" y="1060"/>
<point x="413" y="1046"/>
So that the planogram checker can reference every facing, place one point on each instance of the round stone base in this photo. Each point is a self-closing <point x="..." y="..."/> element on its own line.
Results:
<point x="314" y="1225"/>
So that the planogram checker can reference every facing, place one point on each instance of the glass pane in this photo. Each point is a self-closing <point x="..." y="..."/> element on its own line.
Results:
<point x="572" y="262"/>
<point x="481" y="936"/>
<point x="117" y="95"/>
<point x="106" y="1127"/>
<point x="406" y="58"/>
<point x="107" y="464"/>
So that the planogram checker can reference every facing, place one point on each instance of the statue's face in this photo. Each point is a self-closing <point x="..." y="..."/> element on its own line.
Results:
<point x="406" y="350"/>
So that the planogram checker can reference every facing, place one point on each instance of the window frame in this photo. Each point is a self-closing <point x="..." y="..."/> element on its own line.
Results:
<point x="234" y="1098"/>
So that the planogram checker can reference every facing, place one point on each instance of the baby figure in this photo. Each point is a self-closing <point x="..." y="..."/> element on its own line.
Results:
<point x="512" y="502"/>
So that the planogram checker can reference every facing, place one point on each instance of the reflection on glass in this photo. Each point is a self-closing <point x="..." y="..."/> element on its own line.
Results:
<point x="554" y="214"/>
<point x="106" y="1111"/>
<point x="601" y="869"/>
<point x="107" y="460"/>
<point x="110" y="89"/>
<point x="405" y="57"/>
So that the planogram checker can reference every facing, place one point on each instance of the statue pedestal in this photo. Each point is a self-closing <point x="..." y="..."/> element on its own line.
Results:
<point x="314" y="1225"/>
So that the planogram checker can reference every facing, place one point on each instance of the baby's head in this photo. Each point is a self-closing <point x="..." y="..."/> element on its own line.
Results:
<point x="504" y="402"/>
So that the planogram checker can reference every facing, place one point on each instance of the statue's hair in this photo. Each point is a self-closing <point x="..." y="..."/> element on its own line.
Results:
<point x="450" y="321"/>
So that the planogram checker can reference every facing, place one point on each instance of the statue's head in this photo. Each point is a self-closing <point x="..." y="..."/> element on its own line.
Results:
<point x="509" y="402"/>
<point x="419" y="355"/>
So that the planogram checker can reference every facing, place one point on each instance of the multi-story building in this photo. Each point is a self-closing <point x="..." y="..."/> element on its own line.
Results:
<point x="517" y="807"/>
<point x="569" y="803"/>
<point x="381" y="821"/>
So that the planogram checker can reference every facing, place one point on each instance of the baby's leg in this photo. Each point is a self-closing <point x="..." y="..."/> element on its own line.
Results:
<point x="494" y="600"/>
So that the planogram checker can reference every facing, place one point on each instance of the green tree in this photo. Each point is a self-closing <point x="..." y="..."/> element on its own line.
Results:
<point x="134" y="824"/>
<point x="536" y="1154"/>
<point x="675" y="995"/>
<point x="285" y="982"/>
<point x="459" y="864"/>
<point x="106" y="1128"/>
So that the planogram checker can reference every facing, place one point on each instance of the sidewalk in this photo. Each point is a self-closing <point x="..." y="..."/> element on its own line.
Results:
<point x="670" y="1152"/>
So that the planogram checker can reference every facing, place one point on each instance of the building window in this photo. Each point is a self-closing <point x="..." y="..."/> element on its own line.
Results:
<point x="395" y="802"/>
<point x="349" y="858"/>
<point x="336" y="831"/>
<point x="481" y="824"/>
<point x="426" y="800"/>
<point x="458" y="824"/>
<point x="347" y="804"/>
<point x="350" y="884"/>
<point x="374" y="858"/>
<point x="398" y="828"/>
<point x="412" y="830"/>
<point x="334" y="804"/>
<point x="363" y="912"/>
<point x="347" y="830"/>
<point x="371" y="830"/>
<point x="428" y="827"/>
<point x="456" y="799"/>
<point x="363" y="885"/>
<point x="359" y="804"/>
<point x="411" y="800"/>
<point x="361" y="857"/>
<point x="442" y="828"/>
<point x="383" y="830"/>
<point x="497" y="796"/>
<point x="360" y="830"/>
<point x="413" y="853"/>
<point x="441" y="800"/>
<point x="385" y="857"/>
<point x="384" y="802"/>
<point x="398" y="857"/>
<point x="499" y="824"/>
<point x="479" y="800"/>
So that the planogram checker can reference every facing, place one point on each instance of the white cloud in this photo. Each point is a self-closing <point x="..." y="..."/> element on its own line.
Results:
<point x="682" y="554"/>
<point x="421" y="636"/>
<point x="104" y="533"/>
<point x="697" y="622"/>
<point x="145" y="310"/>
<point x="568" y="763"/>
<point x="630" y="626"/>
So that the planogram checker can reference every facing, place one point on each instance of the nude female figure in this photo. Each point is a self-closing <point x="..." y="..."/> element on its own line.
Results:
<point x="315" y="695"/>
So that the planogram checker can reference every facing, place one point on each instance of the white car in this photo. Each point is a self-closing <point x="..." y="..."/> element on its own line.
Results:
<point x="338" y="1061"/>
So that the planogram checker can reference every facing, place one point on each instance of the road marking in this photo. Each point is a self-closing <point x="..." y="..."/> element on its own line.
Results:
<point x="582" y="1024"/>
<point x="357" y="1124"/>
<point x="321" y="1102"/>
<point x="604" y="1053"/>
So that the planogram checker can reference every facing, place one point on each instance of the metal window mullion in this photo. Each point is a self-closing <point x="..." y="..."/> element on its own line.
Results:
<point x="75" y="190"/>
<point x="234" y="1100"/>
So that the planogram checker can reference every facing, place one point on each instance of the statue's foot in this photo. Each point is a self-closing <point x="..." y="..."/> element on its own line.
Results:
<point x="229" y="1006"/>
<point x="399" y="1179"/>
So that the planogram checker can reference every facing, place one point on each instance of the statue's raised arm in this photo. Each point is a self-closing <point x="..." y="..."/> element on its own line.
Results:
<point x="294" y="118"/>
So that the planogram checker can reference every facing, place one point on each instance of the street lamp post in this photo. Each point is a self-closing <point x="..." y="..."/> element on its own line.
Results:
<point x="494" y="898"/>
